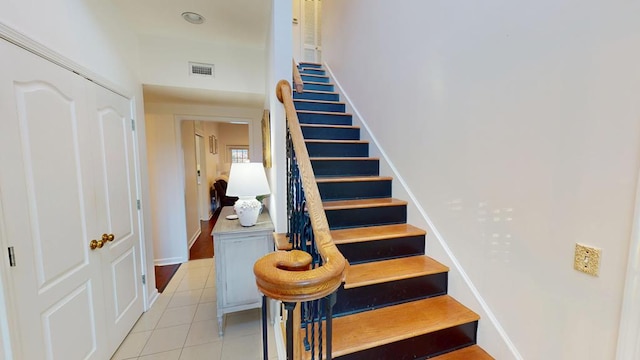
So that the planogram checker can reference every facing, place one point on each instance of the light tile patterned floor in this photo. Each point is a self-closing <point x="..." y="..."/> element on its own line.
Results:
<point x="182" y="324"/>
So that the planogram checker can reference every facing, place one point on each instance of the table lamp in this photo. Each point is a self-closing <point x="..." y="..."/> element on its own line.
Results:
<point x="246" y="181"/>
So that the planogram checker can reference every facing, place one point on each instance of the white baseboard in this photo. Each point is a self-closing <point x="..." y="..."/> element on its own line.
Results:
<point x="152" y="299"/>
<point x="194" y="238"/>
<point x="490" y="316"/>
<point x="170" y="261"/>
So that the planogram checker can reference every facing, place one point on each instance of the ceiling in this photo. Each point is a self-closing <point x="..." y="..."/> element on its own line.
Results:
<point x="243" y="22"/>
<point x="170" y="94"/>
<point x="238" y="22"/>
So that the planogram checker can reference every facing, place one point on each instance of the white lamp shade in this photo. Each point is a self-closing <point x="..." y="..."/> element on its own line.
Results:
<point x="247" y="179"/>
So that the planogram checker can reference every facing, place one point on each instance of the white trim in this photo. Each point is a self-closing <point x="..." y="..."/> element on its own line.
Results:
<point x="8" y="321"/>
<point x="155" y="295"/>
<point x="456" y="264"/>
<point x="629" y="331"/>
<point x="140" y="213"/>
<point x="36" y="48"/>
<point x="194" y="238"/>
<point x="171" y="261"/>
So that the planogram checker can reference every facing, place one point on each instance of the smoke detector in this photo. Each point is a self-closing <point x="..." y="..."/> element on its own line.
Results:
<point x="192" y="17"/>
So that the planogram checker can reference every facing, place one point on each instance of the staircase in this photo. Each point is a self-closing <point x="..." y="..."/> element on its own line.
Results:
<point x="394" y="303"/>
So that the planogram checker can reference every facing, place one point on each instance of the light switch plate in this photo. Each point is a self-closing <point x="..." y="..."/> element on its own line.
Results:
<point x="587" y="259"/>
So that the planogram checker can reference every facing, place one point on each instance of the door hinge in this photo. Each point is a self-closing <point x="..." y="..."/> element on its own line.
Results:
<point x="12" y="257"/>
<point x="138" y="204"/>
<point x="144" y="279"/>
<point x="133" y="125"/>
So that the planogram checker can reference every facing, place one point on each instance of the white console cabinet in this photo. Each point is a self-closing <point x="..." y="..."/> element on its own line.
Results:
<point x="236" y="250"/>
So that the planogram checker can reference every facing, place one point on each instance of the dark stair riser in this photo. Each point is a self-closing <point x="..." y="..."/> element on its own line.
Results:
<point x="320" y="79"/>
<point x="421" y="347"/>
<point x="354" y="190"/>
<point x="375" y="296"/>
<point x="310" y="71"/>
<point x="319" y="149"/>
<point x="324" y="133"/>
<point x="307" y="95"/>
<point x="325" y="119"/>
<point x="318" y="87"/>
<point x="319" y="106"/>
<point x="309" y="65"/>
<point x="350" y="218"/>
<point x="377" y="250"/>
<point x="335" y="168"/>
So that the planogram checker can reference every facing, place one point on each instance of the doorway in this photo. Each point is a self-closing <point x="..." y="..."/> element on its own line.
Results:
<point x="307" y="26"/>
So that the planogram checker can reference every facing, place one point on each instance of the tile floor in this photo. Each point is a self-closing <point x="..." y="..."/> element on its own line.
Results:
<point x="182" y="324"/>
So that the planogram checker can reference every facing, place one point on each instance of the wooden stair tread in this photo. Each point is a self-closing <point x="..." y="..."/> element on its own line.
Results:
<point x="317" y="83"/>
<point x="281" y="241"/>
<point x="323" y="112"/>
<point x="473" y="352"/>
<point x="329" y="158"/>
<point x="316" y="141"/>
<point x="352" y="179"/>
<point x="319" y="92"/>
<point x="329" y="126"/>
<point x="319" y="101"/>
<point x="362" y="203"/>
<point x="362" y="331"/>
<point x="390" y="270"/>
<point x="360" y="234"/>
<point x="372" y="233"/>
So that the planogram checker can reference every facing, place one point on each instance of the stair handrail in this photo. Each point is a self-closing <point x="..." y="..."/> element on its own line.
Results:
<point x="297" y="78"/>
<point x="286" y="275"/>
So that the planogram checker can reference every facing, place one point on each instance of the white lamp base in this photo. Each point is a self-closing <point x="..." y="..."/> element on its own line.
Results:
<point x="248" y="209"/>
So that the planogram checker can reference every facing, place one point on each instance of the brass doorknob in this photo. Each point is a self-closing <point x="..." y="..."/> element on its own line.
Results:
<point x="108" y="237"/>
<point x="93" y="244"/>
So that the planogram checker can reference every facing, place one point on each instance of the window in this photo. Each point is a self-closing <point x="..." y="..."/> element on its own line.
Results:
<point x="238" y="154"/>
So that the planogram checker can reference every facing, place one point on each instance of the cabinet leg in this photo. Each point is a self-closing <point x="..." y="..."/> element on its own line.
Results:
<point x="220" y="324"/>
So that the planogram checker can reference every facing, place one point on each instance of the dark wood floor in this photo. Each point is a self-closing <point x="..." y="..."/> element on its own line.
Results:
<point x="201" y="249"/>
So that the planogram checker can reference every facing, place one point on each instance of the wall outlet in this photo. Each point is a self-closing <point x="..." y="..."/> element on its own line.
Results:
<point x="587" y="259"/>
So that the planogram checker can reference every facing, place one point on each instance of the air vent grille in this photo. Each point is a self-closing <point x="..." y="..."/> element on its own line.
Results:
<point x="201" y="69"/>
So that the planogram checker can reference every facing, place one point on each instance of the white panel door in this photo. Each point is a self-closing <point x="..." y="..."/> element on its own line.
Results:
<point x="48" y="199"/>
<point x="297" y="30"/>
<point x="312" y="37"/>
<point x="117" y="213"/>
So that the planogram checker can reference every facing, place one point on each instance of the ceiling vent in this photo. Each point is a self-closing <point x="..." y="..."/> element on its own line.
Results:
<point x="200" y="69"/>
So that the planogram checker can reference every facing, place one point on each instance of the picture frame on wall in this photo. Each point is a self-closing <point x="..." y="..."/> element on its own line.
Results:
<point x="213" y="144"/>
<point x="266" y="139"/>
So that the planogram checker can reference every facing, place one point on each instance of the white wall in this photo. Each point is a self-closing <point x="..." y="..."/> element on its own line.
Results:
<point x="232" y="134"/>
<point x="90" y="35"/>
<point x="166" y="174"/>
<point x="516" y="128"/>
<point x="187" y="132"/>
<point x="278" y="63"/>
<point x="237" y="69"/>
<point x="211" y="128"/>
